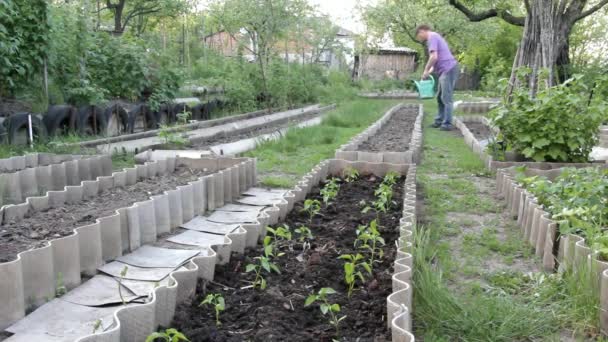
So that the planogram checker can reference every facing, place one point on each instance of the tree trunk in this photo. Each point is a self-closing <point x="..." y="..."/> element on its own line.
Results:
<point x="118" y="11"/>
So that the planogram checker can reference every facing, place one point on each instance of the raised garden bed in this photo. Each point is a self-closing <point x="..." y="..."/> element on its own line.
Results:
<point x="394" y="138"/>
<point x="541" y="231"/>
<point x="54" y="173"/>
<point x="474" y="127"/>
<point x="279" y="313"/>
<point x="475" y="107"/>
<point x="32" y="278"/>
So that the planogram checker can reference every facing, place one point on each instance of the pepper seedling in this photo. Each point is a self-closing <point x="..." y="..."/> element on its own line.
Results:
<point x="350" y="175"/>
<point x="312" y="207"/>
<point x="304" y="233"/>
<point x="352" y="265"/>
<point x="330" y="191"/>
<point x="219" y="304"/>
<point x="262" y="263"/>
<point x="326" y="307"/>
<point x="169" y="335"/>
<point x="369" y="238"/>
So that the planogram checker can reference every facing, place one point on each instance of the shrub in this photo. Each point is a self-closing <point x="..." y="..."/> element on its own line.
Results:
<point x="559" y="125"/>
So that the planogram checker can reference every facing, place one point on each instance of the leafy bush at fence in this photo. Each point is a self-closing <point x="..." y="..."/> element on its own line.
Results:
<point x="577" y="199"/>
<point x="560" y="124"/>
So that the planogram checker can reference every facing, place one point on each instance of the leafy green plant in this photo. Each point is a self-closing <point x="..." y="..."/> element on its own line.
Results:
<point x="169" y="335"/>
<point x="282" y="233"/>
<point x="326" y="307"/>
<point x="263" y="263"/>
<point x="170" y="136"/>
<point x="370" y="239"/>
<point x="97" y="325"/>
<point x="390" y="178"/>
<point x="304" y="233"/>
<point x="123" y="274"/>
<point x="218" y="303"/>
<point x="560" y="124"/>
<point x="350" y="175"/>
<point x="60" y="289"/>
<point x="353" y="263"/>
<point x="330" y="191"/>
<point x="312" y="207"/>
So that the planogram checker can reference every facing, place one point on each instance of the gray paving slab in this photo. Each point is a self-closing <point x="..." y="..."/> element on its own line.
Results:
<point x="150" y="256"/>
<point x="100" y="290"/>
<point x="114" y="269"/>
<point x="59" y="320"/>
<point x="195" y="238"/>
<point x="201" y="224"/>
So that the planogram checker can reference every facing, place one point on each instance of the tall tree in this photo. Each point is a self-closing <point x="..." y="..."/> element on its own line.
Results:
<point x="545" y="44"/>
<point x="123" y="11"/>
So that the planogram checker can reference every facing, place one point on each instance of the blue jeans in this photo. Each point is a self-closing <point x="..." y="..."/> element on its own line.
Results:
<point x="445" y="96"/>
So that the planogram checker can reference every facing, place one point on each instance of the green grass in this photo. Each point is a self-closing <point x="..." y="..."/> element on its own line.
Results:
<point x="503" y="306"/>
<point x="282" y="162"/>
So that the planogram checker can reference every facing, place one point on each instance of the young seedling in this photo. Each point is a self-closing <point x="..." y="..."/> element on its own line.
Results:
<point x="391" y="178"/>
<point x="352" y="265"/>
<point x="60" y="290"/>
<point x="326" y="307"/>
<point x="262" y="263"/>
<point x="217" y="301"/>
<point x="169" y="335"/>
<point x="384" y="200"/>
<point x="350" y="175"/>
<point x="312" y="207"/>
<point x="369" y="238"/>
<point x="304" y="233"/>
<point x="97" y="325"/>
<point x="330" y="191"/>
<point x="282" y="233"/>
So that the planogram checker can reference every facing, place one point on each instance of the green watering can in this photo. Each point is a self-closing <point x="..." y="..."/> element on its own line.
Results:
<point x="426" y="88"/>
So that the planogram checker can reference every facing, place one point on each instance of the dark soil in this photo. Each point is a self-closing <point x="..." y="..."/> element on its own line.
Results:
<point x="395" y="135"/>
<point x="479" y="130"/>
<point x="278" y="313"/>
<point x="252" y="133"/>
<point x="39" y="227"/>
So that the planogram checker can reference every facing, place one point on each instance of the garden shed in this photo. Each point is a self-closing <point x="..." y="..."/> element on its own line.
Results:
<point x="387" y="63"/>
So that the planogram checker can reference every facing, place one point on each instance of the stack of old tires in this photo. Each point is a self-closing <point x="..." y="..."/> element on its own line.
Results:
<point x="113" y="119"/>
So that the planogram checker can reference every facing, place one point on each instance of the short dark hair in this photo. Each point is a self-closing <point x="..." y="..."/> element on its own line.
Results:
<point x="423" y="27"/>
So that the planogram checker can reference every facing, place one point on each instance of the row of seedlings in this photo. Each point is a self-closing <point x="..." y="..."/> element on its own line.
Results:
<point x="90" y="225"/>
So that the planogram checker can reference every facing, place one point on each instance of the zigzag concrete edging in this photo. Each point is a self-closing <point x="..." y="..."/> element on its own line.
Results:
<point x="32" y="278"/>
<point x="136" y="322"/>
<point x="542" y="232"/>
<point x="47" y="172"/>
<point x="349" y="151"/>
<point x="475" y="107"/>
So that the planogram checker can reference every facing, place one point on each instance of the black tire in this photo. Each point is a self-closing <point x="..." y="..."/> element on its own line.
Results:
<point x="198" y="111"/>
<point x="211" y="107"/>
<point x="141" y="119"/>
<point x="17" y="129"/>
<point x="3" y="135"/>
<point x="164" y="115"/>
<point x="117" y="120"/>
<point x="60" y="120"/>
<point x="179" y="108"/>
<point x="92" y="121"/>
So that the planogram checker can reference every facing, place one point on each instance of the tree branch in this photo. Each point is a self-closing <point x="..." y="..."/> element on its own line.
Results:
<point x="591" y="10"/>
<point x="490" y="13"/>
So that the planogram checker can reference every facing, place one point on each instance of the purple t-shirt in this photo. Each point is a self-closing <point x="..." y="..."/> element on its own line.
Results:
<point x="445" y="59"/>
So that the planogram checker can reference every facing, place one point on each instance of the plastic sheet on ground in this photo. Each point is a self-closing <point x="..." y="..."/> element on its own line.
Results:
<point x="241" y="207"/>
<point x="194" y="238"/>
<point x="201" y="224"/>
<point x="136" y="273"/>
<point x="150" y="256"/>
<point x="233" y="217"/>
<point x="98" y="291"/>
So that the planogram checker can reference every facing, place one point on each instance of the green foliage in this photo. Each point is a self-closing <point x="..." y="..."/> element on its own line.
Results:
<point x="350" y="175"/>
<point x="276" y="235"/>
<point x="330" y="191"/>
<point x="560" y="124"/>
<point x="370" y="240"/>
<point x="23" y="42"/>
<point x="326" y="307"/>
<point x="262" y="263"/>
<point x="218" y="303"/>
<point x="169" y="335"/>
<point x="304" y="233"/>
<point x="312" y="207"/>
<point x="353" y="263"/>
<point x="577" y="198"/>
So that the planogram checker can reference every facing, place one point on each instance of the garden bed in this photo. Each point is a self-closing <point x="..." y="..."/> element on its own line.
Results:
<point x="33" y="277"/>
<point x="542" y="231"/>
<point x="279" y="313"/>
<point x="471" y="127"/>
<point x="37" y="228"/>
<point x="394" y="138"/>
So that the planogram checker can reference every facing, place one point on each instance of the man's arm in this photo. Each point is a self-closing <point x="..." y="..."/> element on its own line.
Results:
<point x="429" y="64"/>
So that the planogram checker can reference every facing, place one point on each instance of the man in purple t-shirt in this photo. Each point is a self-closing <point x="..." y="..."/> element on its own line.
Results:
<point x="442" y="62"/>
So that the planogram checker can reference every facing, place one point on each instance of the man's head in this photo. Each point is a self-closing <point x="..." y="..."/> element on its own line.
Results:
<point x="422" y="32"/>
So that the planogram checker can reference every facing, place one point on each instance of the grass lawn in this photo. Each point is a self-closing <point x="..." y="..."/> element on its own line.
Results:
<point x="281" y="163"/>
